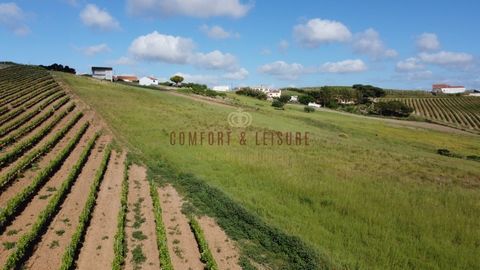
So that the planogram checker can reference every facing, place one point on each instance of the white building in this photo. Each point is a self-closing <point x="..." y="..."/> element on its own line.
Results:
<point x="221" y="88"/>
<point x="147" y="81"/>
<point x="447" y="89"/>
<point x="314" y="105"/>
<point x="274" y="93"/>
<point x="102" y="73"/>
<point x="294" y="99"/>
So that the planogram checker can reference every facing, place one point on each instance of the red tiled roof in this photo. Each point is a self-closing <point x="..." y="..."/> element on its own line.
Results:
<point x="436" y="86"/>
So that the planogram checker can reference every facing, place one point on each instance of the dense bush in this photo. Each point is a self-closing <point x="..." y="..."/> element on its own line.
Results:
<point x="252" y="93"/>
<point x="59" y="67"/>
<point x="392" y="108"/>
<point x="308" y="109"/>
<point x="277" y="104"/>
<point x="366" y="92"/>
<point x="304" y="99"/>
<point x="285" y="98"/>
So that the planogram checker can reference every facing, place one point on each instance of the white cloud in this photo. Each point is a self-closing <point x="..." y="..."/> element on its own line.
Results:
<point x="370" y="43"/>
<point x="346" y="66"/>
<point x="428" y="42"/>
<point x="98" y="19"/>
<point x="283" y="70"/>
<point x="265" y="51"/>
<point x="72" y="2"/>
<point x="283" y="46"/>
<point x="215" y="60"/>
<point x="444" y="58"/>
<point x="240" y="74"/>
<point x="409" y="64"/>
<point x="217" y="32"/>
<point x="192" y="8"/>
<point x="95" y="49"/>
<point x="13" y="18"/>
<point x="199" y="78"/>
<point x="419" y="75"/>
<point x="122" y="61"/>
<point x="318" y="31"/>
<point x="179" y="50"/>
<point x="164" y="48"/>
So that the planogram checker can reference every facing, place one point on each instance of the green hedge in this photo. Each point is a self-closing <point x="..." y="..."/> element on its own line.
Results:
<point x="165" y="261"/>
<point x="71" y="252"/>
<point x="206" y="254"/>
<point x="28" y="240"/>
<point x="119" y="248"/>
<point x="31" y="157"/>
<point x="17" y="203"/>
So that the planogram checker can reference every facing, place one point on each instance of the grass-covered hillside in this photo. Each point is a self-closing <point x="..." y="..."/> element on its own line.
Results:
<point x="365" y="194"/>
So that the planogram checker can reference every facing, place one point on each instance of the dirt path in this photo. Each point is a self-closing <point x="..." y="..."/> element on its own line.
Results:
<point x="202" y="99"/>
<point x="182" y="246"/>
<point x="223" y="249"/>
<point x="140" y="227"/>
<point x="97" y="250"/>
<point x="23" y="222"/>
<point x="23" y="181"/>
<point x="50" y="249"/>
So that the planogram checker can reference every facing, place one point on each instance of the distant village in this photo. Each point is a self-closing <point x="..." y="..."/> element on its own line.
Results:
<point x="106" y="73"/>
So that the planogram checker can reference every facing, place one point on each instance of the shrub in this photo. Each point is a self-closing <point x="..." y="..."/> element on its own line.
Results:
<point x="277" y="104"/>
<point x="119" y="248"/>
<point x="206" y="254"/>
<point x="252" y="93"/>
<point x="285" y="98"/>
<point x="308" y="109"/>
<point x="304" y="99"/>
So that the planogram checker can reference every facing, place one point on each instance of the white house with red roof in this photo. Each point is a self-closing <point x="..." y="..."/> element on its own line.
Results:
<point x="447" y="89"/>
<point x="147" y="81"/>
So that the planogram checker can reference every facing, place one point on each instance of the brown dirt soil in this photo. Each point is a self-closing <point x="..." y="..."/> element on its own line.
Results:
<point x="21" y="182"/>
<point x="140" y="208"/>
<point x="42" y="142"/>
<point x="97" y="250"/>
<point x="23" y="222"/>
<point x="49" y="251"/>
<point x="182" y="245"/>
<point x="223" y="249"/>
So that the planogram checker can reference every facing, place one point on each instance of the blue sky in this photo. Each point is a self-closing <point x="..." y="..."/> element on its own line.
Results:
<point x="393" y="44"/>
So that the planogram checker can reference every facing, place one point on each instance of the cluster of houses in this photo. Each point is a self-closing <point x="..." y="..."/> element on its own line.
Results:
<point x="106" y="73"/>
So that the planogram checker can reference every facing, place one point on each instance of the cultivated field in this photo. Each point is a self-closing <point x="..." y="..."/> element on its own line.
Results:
<point x="459" y="112"/>
<point x="365" y="194"/>
<point x="72" y="198"/>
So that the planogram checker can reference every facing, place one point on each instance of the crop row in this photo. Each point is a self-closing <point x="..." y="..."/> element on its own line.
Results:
<point x="24" y="86"/>
<point x="31" y="95"/>
<point x="119" y="245"/>
<point x="30" y="158"/>
<point x="72" y="250"/>
<point x="14" y="113"/>
<point x="28" y="240"/>
<point x="459" y="111"/>
<point x="38" y="88"/>
<point x="164" y="256"/>
<point x="17" y="203"/>
<point x="206" y="254"/>
<point x="41" y="97"/>
<point x="35" y="123"/>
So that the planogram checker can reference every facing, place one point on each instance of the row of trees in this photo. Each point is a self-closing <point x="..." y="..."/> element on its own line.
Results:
<point x="60" y="67"/>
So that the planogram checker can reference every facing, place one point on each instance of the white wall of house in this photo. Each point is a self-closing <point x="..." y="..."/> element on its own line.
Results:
<point x="103" y="75"/>
<point x="221" y="88"/>
<point x="314" y="105"/>
<point x="453" y="90"/>
<point x="147" y="81"/>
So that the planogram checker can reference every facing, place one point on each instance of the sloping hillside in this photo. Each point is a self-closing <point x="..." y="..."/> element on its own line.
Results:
<point x="364" y="193"/>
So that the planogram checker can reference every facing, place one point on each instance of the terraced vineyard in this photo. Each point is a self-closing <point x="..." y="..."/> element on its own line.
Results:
<point x="459" y="112"/>
<point x="69" y="199"/>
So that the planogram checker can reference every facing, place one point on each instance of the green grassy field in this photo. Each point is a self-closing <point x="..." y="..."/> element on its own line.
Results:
<point x="365" y="194"/>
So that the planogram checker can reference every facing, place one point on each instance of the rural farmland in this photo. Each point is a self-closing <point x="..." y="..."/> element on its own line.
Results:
<point x="72" y="197"/>
<point x="459" y="112"/>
